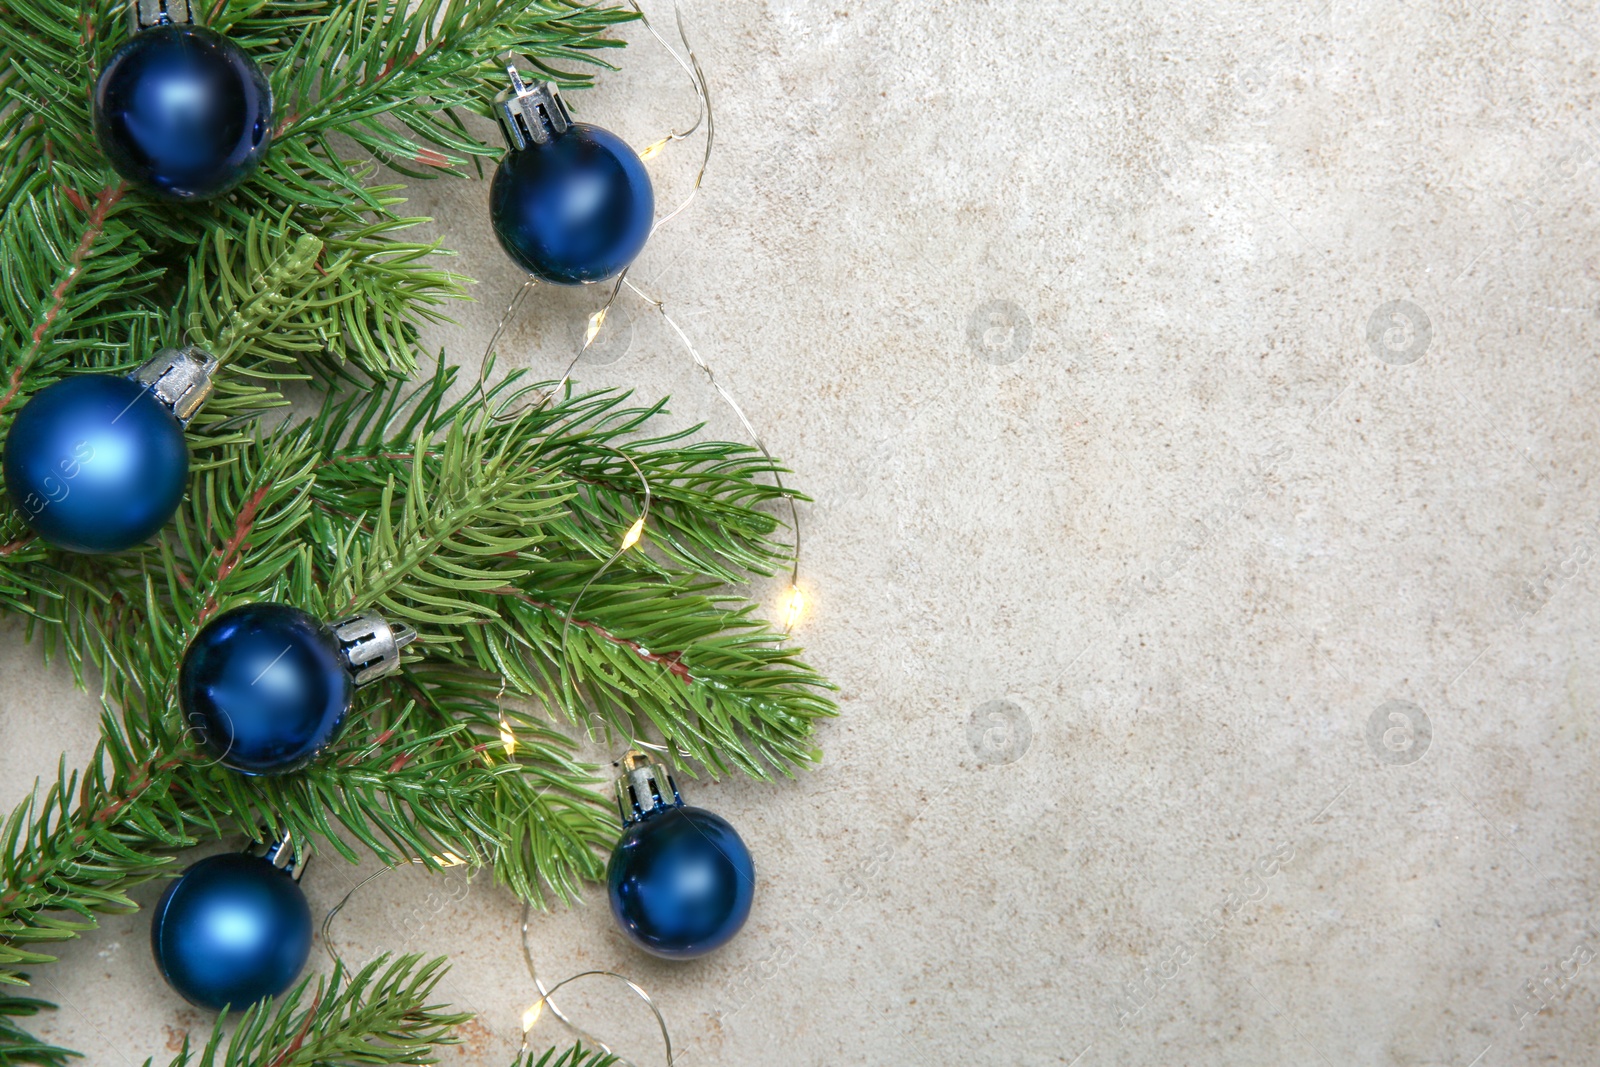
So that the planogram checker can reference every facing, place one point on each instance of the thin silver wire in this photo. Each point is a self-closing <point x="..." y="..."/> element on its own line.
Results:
<point x="331" y="947"/>
<point x="617" y="553"/>
<point x="794" y="513"/>
<point x="545" y="995"/>
<point x="327" y="920"/>
<point x="566" y="375"/>
<point x="697" y="77"/>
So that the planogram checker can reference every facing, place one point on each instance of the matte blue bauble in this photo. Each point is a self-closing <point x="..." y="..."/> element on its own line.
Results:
<point x="96" y="463"/>
<point x="681" y="881"/>
<point x="264" y="688"/>
<point x="231" y="929"/>
<point x="577" y="208"/>
<point x="181" y="111"/>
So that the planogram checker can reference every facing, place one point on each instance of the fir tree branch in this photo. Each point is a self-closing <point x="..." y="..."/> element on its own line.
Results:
<point x="393" y="80"/>
<point x="65" y="266"/>
<point x="666" y="660"/>
<point x="576" y="1056"/>
<point x="418" y="66"/>
<point x="549" y="826"/>
<point x="74" y="851"/>
<point x="655" y="651"/>
<point x="381" y="1014"/>
<point x="19" y="1046"/>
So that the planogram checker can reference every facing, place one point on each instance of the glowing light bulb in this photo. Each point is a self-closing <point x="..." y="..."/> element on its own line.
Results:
<point x="653" y="149"/>
<point x="635" y="531"/>
<point x="448" y="859"/>
<point x="792" y="609"/>
<point x="595" y="322"/>
<point x="507" y="738"/>
<point x="530" y="1018"/>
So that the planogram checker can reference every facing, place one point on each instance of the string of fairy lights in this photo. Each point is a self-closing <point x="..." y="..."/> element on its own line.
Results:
<point x="534" y="1011"/>
<point x="793" y="600"/>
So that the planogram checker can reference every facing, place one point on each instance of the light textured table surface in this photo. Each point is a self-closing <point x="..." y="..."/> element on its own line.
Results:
<point x="1217" y="638"/>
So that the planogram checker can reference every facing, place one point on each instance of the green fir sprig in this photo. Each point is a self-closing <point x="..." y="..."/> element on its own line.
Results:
<point x="380" y="1014"/>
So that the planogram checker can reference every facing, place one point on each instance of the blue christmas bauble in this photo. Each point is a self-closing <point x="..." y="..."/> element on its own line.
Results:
<point x="183" y="112"/>
<point x="577" y="208"/>
<point x="96" y="463"/>
<point x="681" y="881"/>
<point x="231" y="929"/>
<point x="264" y="688"/>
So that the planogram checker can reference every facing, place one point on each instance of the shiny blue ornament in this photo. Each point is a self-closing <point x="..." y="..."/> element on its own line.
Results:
<point x="181" y="111"/>
<point x="231" y="930"/>
<point x="264" y="687"/>
<point x="96" y="463"/>
<point x="570" y="202"/>
<point x="680" y="880"/>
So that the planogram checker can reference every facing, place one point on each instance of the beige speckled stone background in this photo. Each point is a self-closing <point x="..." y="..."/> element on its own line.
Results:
<point x="1217" y="638"/>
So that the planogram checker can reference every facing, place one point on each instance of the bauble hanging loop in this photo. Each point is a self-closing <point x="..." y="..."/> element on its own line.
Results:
<point x="233" y="928"/>
<point x="570" y="202"/>
<point x="266" y="687"/>
<point x="680" y="879"/>
<point x="99" y="463"/>
<point x="180" y="110"/>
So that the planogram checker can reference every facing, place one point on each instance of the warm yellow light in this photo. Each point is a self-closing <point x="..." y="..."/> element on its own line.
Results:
<point x="635" y="531"/>
<point x="595" y="322"/>
<point x="448" y="859"/>
<point x="653" y="150"/>
<point x="530" y="1018"/>
<point x="507" y="738"/>
<point x="796" y="602"/>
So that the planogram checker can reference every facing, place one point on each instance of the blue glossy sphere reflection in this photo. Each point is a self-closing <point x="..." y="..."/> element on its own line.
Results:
<point x="231" y="929"/>
<point x="577" y="208"/>
<point x="263" y="687"/>
<point x="96" y="463"/>
<point x="681" y="882"/>
<point x="183" y="112"/>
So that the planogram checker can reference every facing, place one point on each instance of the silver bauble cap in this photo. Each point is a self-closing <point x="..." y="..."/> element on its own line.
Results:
<point x="643" y="787"/>
<point x="370" y="645"/>
<point x="180" y="378"/>
<point x="530" y="114"/>
<point x="148" y="13"/>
